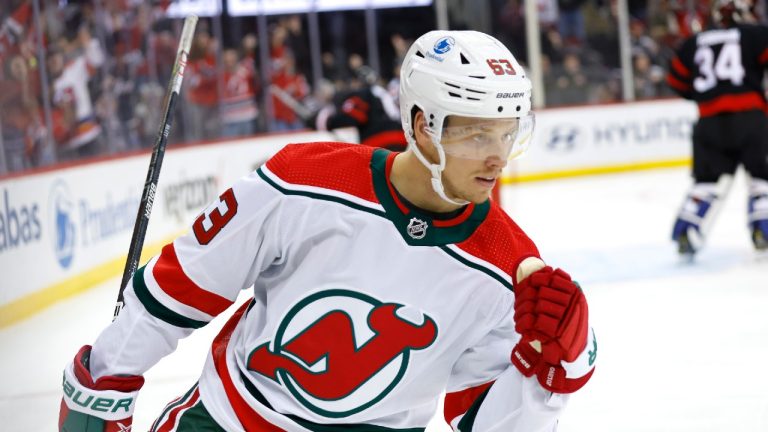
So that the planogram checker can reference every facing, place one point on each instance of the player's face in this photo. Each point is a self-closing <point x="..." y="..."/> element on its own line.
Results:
<point x="476" y="151"/>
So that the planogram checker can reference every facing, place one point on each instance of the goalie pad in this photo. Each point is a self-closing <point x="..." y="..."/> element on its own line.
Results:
<point x="699" y="210"/>
<point x="758" y="213"/>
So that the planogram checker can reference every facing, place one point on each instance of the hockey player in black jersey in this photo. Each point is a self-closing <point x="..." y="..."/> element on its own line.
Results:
<point x="370" y="109"/>
<point x="722" y="69"/>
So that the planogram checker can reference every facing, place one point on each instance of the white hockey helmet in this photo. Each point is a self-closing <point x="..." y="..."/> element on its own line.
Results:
<point x="467" y="74"/>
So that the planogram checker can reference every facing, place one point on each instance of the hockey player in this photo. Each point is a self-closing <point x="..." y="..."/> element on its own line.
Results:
<point x="722" y="70"/>
<point x="373" y="111"/>
<point x="370" y="109"/>
<point x="380" y="280"/>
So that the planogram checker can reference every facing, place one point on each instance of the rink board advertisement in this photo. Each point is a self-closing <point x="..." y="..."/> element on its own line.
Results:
<point x="62" y="224"/>
<point x="63" y="231"/>
<point x="608" y="137"/>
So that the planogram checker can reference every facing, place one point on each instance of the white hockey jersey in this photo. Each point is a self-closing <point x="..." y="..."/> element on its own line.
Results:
<point x="364" y="310"/>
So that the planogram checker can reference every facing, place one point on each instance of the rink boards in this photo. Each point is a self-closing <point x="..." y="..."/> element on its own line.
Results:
<point x="63" y="231"/>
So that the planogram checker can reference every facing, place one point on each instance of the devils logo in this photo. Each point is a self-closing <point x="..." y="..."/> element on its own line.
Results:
<point x="338" y="351"/>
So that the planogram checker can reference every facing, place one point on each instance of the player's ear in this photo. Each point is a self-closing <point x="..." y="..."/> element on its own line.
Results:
<point x="423" y="139"/>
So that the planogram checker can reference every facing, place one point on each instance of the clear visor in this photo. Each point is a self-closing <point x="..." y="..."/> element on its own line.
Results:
<point x="481" y="139"/>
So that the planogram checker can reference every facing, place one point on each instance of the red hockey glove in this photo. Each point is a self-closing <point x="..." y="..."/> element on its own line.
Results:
<point x="551" y="308"/>
<point x="562" y="377"/>
<point x="105" y="405"/>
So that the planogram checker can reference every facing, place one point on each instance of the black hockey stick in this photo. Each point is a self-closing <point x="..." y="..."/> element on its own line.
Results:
<point x="156" y="162"/>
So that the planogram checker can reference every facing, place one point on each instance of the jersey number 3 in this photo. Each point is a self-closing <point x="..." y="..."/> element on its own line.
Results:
<point x="726" y="67"/>
<point x="214" y="218"/>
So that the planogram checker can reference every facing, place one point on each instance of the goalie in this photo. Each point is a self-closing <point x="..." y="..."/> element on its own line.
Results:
<point x="722" y="70"/>
<point x="380" y="280"/>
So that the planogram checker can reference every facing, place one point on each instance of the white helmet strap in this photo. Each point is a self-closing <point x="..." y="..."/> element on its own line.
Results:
<point x="436" y="171"/>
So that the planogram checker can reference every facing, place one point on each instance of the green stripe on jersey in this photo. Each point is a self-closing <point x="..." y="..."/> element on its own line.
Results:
<point x="156" y="309"/>
<point x="197" y="419"/>
<point x="171" y="406"/>
<point x="475" y="266"/>
<point x="468" y="421"/>
<point x="437" y="236"/>
<point x="319" y="196"/>
<point x="430" y="233"/>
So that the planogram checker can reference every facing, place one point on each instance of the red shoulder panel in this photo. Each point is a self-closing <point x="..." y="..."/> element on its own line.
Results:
<point x="499" y="241"/>
<point x="330" y="165"/>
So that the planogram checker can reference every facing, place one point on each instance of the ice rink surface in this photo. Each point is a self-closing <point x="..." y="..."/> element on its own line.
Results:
<point x="681" y="347"/>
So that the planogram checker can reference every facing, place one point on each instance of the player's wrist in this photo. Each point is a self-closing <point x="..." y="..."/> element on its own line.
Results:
<point x="105" y="404"/>
<point x="525" y="358"/>
<point x="109" y="398"/>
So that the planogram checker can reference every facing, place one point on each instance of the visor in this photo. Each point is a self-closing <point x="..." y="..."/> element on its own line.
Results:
<point x="480" y="139"/>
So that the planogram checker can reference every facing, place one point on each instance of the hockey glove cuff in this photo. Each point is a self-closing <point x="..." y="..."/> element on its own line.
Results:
<point x="563" y="377"/>
<point x="525" y="358"/>
<point x="567" y="377"/>
<point x="103" y="405"/>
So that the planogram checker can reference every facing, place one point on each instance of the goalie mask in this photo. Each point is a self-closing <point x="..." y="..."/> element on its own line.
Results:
<point x="465" y="74"/>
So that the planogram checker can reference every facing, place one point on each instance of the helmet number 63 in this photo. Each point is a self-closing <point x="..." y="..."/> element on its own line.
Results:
<point x="501" y="66"/>
<point x="215" y="217"/>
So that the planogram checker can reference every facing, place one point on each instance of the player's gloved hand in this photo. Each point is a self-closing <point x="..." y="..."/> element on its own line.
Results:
<point x="104" y="405"/>
<point x="551" y="308"/>
<point x="550" y="314"/>
<point x="562" y="377"/>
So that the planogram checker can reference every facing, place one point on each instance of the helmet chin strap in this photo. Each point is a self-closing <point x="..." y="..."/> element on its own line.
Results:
<point x="436" y="170"/>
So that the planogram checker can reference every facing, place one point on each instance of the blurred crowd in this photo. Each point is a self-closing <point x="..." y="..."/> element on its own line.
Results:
<point x="81" y="78"/>
<point x="580" y="44"/>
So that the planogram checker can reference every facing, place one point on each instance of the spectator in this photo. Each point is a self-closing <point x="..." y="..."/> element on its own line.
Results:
<point x="298" y="43"/>
<point x="571" y="21"/>
<point x="511" y="23"/>
<point x="571" y="82"/>
<point x="296" y="86"/>
<point x="12" y="28"/>
<point x="21" y="124"/>
<point x="640" y="41"/>
<point x="147" y="113"/>
<point x="78" y="133"/>
<point x="332" y="70"/>
<point x="649" y="78"/>
<point x="238" y="105"/>
<point x="202" y="93"/>
<point x="278" y="48"/>
<point x="248" y="46"/>
<point x="549" y="13"/>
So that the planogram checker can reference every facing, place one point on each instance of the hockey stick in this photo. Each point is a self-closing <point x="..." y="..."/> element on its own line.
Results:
<point x="156" y="161"/>
<point x="300" y="109"/>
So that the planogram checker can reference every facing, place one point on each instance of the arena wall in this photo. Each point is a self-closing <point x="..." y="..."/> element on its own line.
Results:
<point x="65" y="230"/>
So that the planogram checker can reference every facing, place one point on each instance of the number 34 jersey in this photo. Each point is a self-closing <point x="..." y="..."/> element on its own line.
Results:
<point x="722" y="69"/>
<point x="363" y="312"/>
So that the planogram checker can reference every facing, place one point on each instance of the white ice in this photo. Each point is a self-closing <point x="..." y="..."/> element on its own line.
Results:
<point x="682" y="347"/>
